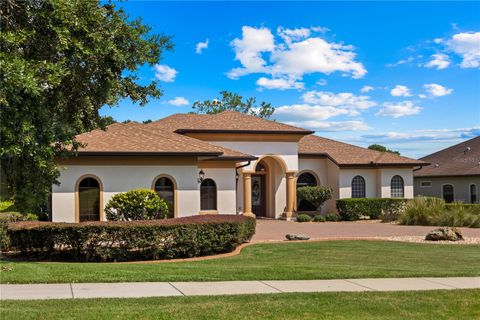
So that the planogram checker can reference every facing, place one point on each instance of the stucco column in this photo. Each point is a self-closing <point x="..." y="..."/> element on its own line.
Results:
<point x="247" y="195"/>
<point x="290" y="195"/>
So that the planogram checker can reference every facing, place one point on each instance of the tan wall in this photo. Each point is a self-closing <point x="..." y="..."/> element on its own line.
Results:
<point x="461" y="187"/>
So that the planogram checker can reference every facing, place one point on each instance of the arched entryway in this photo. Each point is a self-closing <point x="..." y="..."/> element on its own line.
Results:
<point x="259" y="189"/>
<point x="89" y="199"/>
<point x="165" y="187"/>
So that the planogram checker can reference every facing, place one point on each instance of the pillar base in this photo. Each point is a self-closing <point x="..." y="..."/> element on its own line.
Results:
<point x="249" y="214"/>
<point x="287" y="216"/>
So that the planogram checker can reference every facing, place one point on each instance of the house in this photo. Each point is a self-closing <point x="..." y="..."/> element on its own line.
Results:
<point x="228" y="163"/>
<point x="453" y="173"/>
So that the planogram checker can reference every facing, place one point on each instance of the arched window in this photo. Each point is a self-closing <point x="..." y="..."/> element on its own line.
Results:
<point x="89" y="200"/>
<point x="306" y="179"/>
<point x="208" y="195"/>
<point x="166" y="190"/>
<point x="473" y="193"/>
<point x="397" y="187"/>
<point x="448" y="193"/>
<point x="358" y="187"/>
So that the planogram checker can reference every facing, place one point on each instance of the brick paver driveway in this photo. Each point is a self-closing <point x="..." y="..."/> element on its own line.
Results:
<point x="274" y="230"/>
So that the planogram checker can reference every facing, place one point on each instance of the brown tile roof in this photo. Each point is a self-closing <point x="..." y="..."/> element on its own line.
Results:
<point x="462" y="159"/>
<point x="346" y="154"/>
<point x="136" y="138"/>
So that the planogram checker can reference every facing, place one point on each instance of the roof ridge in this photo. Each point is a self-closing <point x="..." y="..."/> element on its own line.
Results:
<point x="450" y="147"/>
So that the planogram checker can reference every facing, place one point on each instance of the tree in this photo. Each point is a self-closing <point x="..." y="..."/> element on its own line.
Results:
<point x="61" y="61"/>
<point x="106" y="121"/>
<point x="235" y="102"/>
<point x="379" y="147"/>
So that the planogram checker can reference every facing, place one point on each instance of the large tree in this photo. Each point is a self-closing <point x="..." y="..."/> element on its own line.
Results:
<point x="235" y="102"/>
<point x="61" y="61"/>
<point x="379" y="147"/>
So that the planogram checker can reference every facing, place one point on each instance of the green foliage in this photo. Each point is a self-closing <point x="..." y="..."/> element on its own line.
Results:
<point x="61" y="62"/>
<point x="352" y="208"/>
<point x="6" y="205"/>
<point x="315" y="195"/>
<point x="234" y="102"/>
<point x="138" y="204"/>
<point x="106" y="121"/>
<point x="332" y="217"/>
<point x="379" y="147"/>
<point x="303" y="218"/>
<point x="430" y="211"/>
<point x="319" y="218"/>
<point x="5" y="219"/>
<point x="133" y="240"/>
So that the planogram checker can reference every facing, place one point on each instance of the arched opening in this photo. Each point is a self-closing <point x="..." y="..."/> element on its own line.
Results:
<point x="473" y="193"/>
<point x="397" y="189"/>
<point x="165" y="188"/>
<point x="358" y="187"/>
<point x="448" y="193"/>
<point x="259" y="189"/>
<point x="208" y="195"/>
<point x="306" y="179"/>
<point x="89" y="200"/>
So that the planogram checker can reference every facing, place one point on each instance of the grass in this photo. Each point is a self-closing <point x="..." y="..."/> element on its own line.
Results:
<point x="455" y="304"/>
<point x="312" y="260"/>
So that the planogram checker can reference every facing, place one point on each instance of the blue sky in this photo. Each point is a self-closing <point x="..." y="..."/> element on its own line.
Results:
<point x="406" y="75"/>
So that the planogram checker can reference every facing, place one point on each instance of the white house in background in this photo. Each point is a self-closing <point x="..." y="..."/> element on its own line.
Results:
<point x="227" y="163"/>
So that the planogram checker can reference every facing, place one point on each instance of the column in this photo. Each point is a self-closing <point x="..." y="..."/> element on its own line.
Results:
<point x="290" y="195"/>
<point x="247" y="195"/>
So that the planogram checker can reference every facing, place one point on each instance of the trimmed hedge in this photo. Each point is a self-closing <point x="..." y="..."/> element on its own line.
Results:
<point x="352" y="208"/>
<point x="304" y="218"/>
<point x="5" y="219"/>
<point x="132" y="240"/>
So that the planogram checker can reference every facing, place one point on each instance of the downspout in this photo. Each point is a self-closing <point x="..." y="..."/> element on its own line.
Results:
<point x="236" y="181"/>
<point x="416" y="169"/>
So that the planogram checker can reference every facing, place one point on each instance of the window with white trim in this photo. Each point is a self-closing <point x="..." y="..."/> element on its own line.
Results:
<point x="397" y="189"/>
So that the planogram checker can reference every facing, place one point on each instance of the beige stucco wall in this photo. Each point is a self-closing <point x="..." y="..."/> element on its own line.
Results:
<point x="461" y="187"/>
<point x="319" y="167"/>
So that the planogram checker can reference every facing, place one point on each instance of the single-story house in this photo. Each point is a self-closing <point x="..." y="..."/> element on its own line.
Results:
<point x="228" y="163"/>
<point x="453" y="173"/>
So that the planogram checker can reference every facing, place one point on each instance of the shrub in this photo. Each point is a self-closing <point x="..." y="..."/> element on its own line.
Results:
<point x="5" y="219"/>
<point x="138" y="204"/>
<point x="319" y="218"/>
<point x="304" y="218"/>
<point x="332" y="217"/>
<point x="353" y="208"/>
<point x="314" y="195"/>
<point x="132" y="240"/>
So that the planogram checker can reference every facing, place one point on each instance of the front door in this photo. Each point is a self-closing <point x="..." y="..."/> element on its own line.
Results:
<point x="259" y="195"/>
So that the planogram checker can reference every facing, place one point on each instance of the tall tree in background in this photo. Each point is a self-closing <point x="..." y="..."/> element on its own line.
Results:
<point x="61" y="61"/>
<point x="234" y="102"/>
<point x="379" y="147"/>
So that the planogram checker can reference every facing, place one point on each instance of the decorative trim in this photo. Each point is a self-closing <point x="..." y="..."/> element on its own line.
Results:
<point x="77" y="199"/>
<point x="175" y="191"/>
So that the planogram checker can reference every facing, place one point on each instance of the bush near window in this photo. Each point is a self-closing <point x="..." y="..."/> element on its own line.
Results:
<point x="132" y="240"/>
<point x="352" y="208"/>
<point x="138" y="204"/>
<point x="332" y="217"/>
<point x="303" y="218"/>
<point x="319" y="218"/>
<point x="316" y="195"/>
<point x="5" y="219"/>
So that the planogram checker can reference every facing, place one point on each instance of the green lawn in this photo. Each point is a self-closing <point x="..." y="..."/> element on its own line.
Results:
<point x="314" y="260"/>
<point x="456" y="304"/>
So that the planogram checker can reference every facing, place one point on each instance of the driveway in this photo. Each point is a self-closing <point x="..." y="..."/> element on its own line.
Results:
<point x="275" y="230"/>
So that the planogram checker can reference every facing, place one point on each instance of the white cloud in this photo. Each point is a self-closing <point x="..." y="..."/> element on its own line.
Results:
<point x="400" y="62"/>
<point x="397" y="110"/>
<point x="306" y="111"/>
<point x="400" y="91"/>
<point x="290" y="35"/>
<point x="178" y="101"/>
<point x="366" y="89"/>
<point x="327" y="126"/>
<point x="436" y="90"/>
<point x="439" y="61"/>
<point x="343" y="100"/>
<point x="466" y="45"/>
<point x="322" y="82"/>
<point x="425" y="135"/>
<point x="165" y="73"/>
<point x="279" y="83"/>
<point x="201" y="46"/>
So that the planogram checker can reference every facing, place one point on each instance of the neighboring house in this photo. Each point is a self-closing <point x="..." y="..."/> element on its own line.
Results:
<point x="453" y="173"/>
<point x="227" y="163"/>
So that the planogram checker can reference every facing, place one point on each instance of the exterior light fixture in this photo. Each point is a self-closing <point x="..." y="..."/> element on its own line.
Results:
<point x="201" y="176"/>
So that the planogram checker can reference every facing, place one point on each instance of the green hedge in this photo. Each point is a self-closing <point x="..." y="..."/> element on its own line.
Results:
<point x="5" y="219"/>
<point x="352" y="208"/>
<point x="132" y="240"/>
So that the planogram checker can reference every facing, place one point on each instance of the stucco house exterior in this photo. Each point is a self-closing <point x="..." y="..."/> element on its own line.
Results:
<point x="227" y="163"/>
<point x="453" y="173"/>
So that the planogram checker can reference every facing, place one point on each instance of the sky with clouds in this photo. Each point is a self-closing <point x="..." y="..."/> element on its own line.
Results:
<point x="406" y="75"/>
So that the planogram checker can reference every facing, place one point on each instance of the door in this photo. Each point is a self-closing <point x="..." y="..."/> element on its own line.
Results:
<point x="259" y="195"/>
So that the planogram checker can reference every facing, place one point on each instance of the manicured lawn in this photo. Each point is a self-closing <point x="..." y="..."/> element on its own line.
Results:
<point x="314" y="260"/>
<point x="456" y="304"/>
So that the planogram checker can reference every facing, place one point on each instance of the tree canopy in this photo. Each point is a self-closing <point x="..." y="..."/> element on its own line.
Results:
<point x="381" y="148"/>
<point x="61" y="61"/>
<point x="234" y="102"/>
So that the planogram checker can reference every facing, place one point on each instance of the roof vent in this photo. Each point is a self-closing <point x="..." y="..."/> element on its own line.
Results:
<point x="437" y="165"/>
<point x="466" y="150"/>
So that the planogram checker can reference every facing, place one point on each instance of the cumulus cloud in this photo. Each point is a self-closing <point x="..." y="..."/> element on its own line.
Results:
<point x="327" y="126"/>
<point x="436" y="90"/>
<point x="345" y="100"/>
<point x="397" y="110"/>
<point x="439" y="61"/>
<point x="199" y="47"/>
<point x="306" y="111"/>
<point x="400" y="91"/>
<point x="366" y="89"/>
<point x="165" y="73"/>
<point x="467" y="46"/>
<point x="279" y="83"/>
<point x="178" y="101"/>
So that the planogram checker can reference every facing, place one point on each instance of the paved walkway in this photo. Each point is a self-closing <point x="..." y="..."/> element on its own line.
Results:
<point x="275" y="230"/>
<point x="167" y="289"/>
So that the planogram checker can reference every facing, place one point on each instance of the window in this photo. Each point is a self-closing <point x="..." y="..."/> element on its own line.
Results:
<point x="166" y="190"/>
<point x="260" y="167"/>
<point x="397" y="187"/>
<point x="358" y="187"/>
<point x="208" y="195"/>
<point x="89" y="200"/>
<point x="473" y="193"/>
<point x="426" y="184"/>
<point x="306" y="179"/>
<point x="448" y="193"/>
